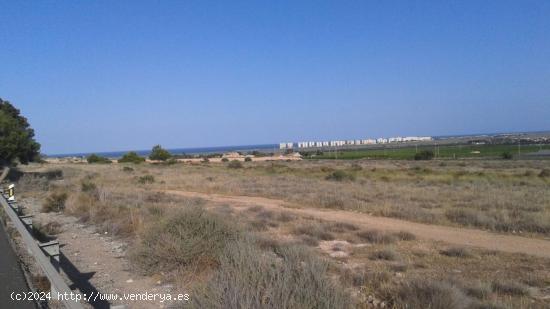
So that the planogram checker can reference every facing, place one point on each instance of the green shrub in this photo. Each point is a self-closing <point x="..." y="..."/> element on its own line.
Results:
<point x="424" y="155"/>
<point x="225" y="160"/>
<point x="131" y="157"/>
<point x="340" y="175"/>
<point x="248" y="159"/>
<point x="127" y="169"/>
<point x="146" y="179"/>
<point x="507" y="155"/>
<point x="93" y="158"/>
<point x="235" y="164"/>
<point x="159" y="154"/>
<point x="55" y="202"/>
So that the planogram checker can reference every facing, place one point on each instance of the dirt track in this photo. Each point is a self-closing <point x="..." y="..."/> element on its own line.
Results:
<point x="447" y="234"/>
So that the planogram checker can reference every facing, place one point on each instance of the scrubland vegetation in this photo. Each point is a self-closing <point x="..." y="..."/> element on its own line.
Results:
<point x="253" y="257"/>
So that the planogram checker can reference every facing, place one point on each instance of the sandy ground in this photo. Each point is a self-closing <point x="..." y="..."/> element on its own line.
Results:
<point x="451" y="235"/>
<point x="96" y="262"/>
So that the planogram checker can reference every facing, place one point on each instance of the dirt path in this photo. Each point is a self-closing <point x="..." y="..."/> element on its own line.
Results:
<point x="447" y="234"/>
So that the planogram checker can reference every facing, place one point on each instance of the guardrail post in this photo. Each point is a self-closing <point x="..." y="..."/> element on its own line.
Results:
<point x="27" y="220"/>
<point x="51" y="249"/>
<point x="15" y="207"/>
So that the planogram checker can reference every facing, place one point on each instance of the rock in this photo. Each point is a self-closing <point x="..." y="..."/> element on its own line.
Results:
<point x="129" y="281"/>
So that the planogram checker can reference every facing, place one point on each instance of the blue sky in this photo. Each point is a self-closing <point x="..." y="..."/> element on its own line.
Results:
<point x="119" y="75"/>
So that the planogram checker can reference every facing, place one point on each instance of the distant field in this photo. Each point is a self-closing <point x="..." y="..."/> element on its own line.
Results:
<point x="407" y="153"/>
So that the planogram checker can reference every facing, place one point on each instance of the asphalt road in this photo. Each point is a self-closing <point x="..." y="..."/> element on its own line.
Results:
<point x="11" y="276"/>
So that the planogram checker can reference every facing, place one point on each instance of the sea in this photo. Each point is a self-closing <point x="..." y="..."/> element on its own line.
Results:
<point x="266" y="148"/>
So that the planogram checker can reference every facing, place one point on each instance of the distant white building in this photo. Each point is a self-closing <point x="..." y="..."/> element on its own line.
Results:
<point x="381" y="140"/>
<point x="286" y="145"/>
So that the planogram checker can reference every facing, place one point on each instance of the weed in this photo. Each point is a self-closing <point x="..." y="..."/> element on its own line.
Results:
<point x="55" y="202"/>
<point x="376" y="237"/>
<point x="407" y="236"/>
<point x="460" y="252"/>
<point x="510" y="288"/>
<point x="340" y="175"/>
<point x="386" y="254"/>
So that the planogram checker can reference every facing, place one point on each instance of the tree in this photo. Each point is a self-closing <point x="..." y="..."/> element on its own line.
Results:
<point x="17" y="143"/>
<point x="159" y="153"/>
<point x="93" y="158"/>
<point x="131" y="157"/>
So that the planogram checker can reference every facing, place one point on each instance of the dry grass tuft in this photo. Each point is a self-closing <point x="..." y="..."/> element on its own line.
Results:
<point x="385" y="254"/>
<point x="377" y="237"/>
<point x="55" y="202"/>
<point x="510" y="288"/>
<point x="406" y="236"/>
<point x="315" y="230"/>
<point x="460" y="252"/>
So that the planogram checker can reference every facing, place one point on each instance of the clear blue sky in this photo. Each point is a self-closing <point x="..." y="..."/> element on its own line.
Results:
<point x="119" y="75"/>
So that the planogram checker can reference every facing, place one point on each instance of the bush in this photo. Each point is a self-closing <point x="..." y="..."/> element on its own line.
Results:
<point x="248" y="159"/>
<point x="191" y="236"/>
<point x="131" y="157"/>
<point x="127" y="169"/>
<point x="507" y="155"/>
<point x="248" y="278"/>
<point x="93" y="158"/>
<point x="159" y="154"/>
<point x="87" y="186"/>
<point x="424" y="155"/>
<point x="235" y="164"/>
<point x="55" y="202"/>
<point x="340" y="175"/>
<point x="146" y="179"/>
<point x="205" y="160"/>
<point x="225" y="160"/>
<point x="420" y="294"/>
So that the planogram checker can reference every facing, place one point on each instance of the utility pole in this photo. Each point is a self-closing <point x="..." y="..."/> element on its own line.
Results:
<point x="519" y="148"/>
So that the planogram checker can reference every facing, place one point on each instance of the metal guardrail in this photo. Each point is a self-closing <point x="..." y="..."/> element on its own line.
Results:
<point x="42" y="253"/>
